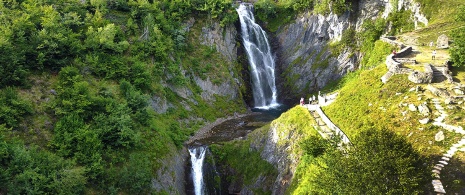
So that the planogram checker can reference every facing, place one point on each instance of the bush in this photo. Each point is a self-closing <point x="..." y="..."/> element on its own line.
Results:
<point x="380" y="162"/>
<point x="12" y="108"/>
<point x="34" y="171"/>
<point x="73" y="93"/>
<point x="457" y="51"/>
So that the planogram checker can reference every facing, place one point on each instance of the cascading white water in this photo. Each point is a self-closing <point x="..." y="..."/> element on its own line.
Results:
<point x="260" y="59"/>
<point x="197" y="157"/>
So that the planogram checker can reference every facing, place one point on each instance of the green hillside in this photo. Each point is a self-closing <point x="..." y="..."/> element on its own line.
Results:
<point x="78" y="84"/>
<point x="95" y="94"/>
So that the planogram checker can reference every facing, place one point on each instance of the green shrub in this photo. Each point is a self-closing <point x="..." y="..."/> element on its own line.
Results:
<point x="34" y="171"/>
<point x="380" y="162"/>
<point x="12" y="108"/>
<point x="457" y="51"/>
<point x="401" y="22"/>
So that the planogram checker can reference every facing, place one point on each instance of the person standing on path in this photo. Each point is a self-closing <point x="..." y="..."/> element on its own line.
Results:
<point x="433" y="55"/>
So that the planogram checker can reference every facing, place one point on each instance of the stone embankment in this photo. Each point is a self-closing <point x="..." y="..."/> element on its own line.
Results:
<point x="394" y="66"/>
<point x="394" y="63"/>
<point x="422" y="77"/>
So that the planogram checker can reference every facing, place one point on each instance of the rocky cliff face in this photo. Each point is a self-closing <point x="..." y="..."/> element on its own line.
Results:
<point x="223" y="39"/>
<point x="170" y="177"/>
<point x="305" y="61"/>
<point x="277" y="147"/>
<point x="302" y="47"/>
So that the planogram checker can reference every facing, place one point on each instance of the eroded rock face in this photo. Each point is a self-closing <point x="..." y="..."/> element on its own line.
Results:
<point x="304" y="57"/>
<point x="224" y="40"/>
<point x="171" y="175"/>
<point x="406" y="5"/>
<point x="277" y="147"/>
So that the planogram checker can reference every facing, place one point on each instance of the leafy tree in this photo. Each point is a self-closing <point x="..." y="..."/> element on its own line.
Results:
<point x="380" y="162"/>
<point x="457" y="52"/>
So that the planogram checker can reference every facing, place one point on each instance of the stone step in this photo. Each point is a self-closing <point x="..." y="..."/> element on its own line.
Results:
<point x="436" y="171"/>
<point x="453" y="149"/>
<point x="445" y="158"/>
<point x="440" y="165"/>
<point x="457" y="145"/>
<point x="437" y="167"/>
<point x="443" y="162"/>
<point x="449" y="154"/>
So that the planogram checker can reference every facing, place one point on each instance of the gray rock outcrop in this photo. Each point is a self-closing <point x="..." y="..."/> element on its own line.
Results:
<point x="276" y="147"/>
<point x="170" y="177"/>
<point x="411" y="5"/>
<point x="443" y="42"/>
<point x="304" y="57"/>
<point x="422" y="77"/>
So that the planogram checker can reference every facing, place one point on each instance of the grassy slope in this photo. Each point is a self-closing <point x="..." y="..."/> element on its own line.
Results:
<point x="364" y="102"/>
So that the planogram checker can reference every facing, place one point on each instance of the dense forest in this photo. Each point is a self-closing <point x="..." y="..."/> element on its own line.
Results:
<point x="77" y="82"/>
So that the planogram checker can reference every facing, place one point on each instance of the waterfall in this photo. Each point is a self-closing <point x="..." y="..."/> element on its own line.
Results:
<point x="260" y="59"/>
<point x="197" y="157"/>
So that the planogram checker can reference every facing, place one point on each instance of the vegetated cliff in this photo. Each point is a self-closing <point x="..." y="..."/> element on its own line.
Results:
<point x="304" y="56"/>
<point x="280" y="144"/>
<point x="226" y="84"/>
<point x="304" y="51"/>
<point x="271" y="153"/>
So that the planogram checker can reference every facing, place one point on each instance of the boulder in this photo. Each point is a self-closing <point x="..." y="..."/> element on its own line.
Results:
<point x="412" y="107"/>
<point x="439" y="136"/>
<point x="423" y="109"/>
<point x="458" y="92"/>
<point x="422" y="77"/>
<point x="424" y="121"/>
<point x="443" y="42"/>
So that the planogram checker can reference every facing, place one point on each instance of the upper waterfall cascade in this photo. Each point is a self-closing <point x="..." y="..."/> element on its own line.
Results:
<point x="261" y="61"/>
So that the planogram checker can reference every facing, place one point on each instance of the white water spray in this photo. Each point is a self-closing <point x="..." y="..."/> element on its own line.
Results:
<point x="197" y="157"/>
<point x="260" y="59"/>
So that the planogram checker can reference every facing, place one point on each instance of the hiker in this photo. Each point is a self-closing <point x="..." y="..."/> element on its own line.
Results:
<point x="394" y="52"/>
<point x="433" y="55"/>
<point x="302" y="101"/>
<point x="310" y="100"/>
<point x="431" y="44"/>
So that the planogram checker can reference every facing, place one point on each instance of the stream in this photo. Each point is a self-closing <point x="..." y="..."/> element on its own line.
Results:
<point x="201" y="167"/>
<point x="203" y="177"/>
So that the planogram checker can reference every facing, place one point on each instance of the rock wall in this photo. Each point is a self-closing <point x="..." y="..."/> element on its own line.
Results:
<point x="171" y="175"/>
<point x="406" y="5"/>
<point x="278" y="146"/>
<point x="223" y="39"/>
<point x="303" y="55"/>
